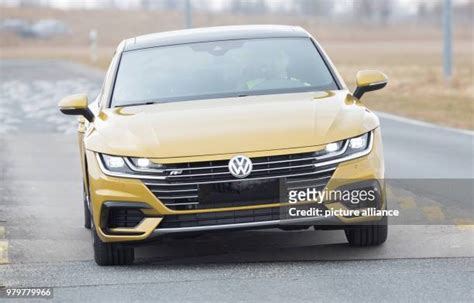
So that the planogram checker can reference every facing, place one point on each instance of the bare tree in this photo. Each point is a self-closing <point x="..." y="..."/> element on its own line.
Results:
<point x="171" y="4"/>
<point x="422" y="10"/>
<point x="464" y="13"/>
<point x="373" y="10"/>
<point x="364" y="9"/>
<point x="145" y="4"/>
<point x="248" y="6"/>
<point x="385" y="10"/>
<point x="314" y="7"/>
<point x="29" y="3"/>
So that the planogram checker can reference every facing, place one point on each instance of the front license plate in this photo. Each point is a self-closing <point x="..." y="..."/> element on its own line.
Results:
<point x="264" y="191"/>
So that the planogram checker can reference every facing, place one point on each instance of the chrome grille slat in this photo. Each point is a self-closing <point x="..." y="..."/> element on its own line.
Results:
<point x="228" y="173"/>
<point x="173" y="191"/>
<point x="307" y="180"/>
<point x="151" y="182"/>
<point x="268" y="162"/>
<point x="179" y="197"/>
<point x="256" y="162"/>
<point x="311" y="186"/>
<point x="239" y="180"/>
<point x="181" y="204"/>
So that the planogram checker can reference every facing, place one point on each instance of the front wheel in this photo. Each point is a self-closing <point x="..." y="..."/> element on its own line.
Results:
<point x="107" y="254"/>
<point x="367" y="235"/>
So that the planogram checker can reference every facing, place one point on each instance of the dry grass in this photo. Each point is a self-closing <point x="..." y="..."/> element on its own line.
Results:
<point x="409" y="55"/>
<point x="416" y="88"/>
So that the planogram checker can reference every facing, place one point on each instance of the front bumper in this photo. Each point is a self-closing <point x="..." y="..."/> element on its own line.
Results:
<point x="106" y="191"/>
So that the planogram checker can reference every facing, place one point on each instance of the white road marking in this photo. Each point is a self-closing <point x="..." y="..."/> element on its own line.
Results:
<point x="3" y="251"/>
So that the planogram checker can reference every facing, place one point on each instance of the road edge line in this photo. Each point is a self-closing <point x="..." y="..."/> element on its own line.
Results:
<point x="385" y="115"/>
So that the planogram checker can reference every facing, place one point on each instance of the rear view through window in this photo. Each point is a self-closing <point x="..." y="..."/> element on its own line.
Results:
<point x="220" y="69"/>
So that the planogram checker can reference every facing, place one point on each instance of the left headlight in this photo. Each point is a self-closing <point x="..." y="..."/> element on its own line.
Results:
<point x="358" y="144"/>
<point x="344" y="149"/>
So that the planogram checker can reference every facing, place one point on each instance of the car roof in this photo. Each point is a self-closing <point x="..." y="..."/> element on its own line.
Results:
<point x="206" y="34"/>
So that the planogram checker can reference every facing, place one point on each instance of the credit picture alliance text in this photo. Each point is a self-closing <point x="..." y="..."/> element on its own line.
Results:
<point x="354" y="197"/>
<point x="366" y="212"/>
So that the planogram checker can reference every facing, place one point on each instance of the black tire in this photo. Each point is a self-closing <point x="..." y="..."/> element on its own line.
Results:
<point x="107" y="254"/>
<point x="87" y="213"/>
<point x="367" y="235"/>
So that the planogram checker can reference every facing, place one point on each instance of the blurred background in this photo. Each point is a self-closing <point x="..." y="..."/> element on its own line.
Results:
<point x="424" y="46"/>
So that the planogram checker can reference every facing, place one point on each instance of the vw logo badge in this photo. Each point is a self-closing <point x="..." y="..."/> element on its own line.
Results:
<point x="240" y="166"/>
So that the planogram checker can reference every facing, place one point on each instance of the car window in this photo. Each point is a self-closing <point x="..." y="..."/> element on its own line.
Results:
<point x="220" y="69"/>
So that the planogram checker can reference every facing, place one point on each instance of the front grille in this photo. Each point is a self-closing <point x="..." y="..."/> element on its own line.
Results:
<point x="220" y="218"/>
<point x="234" y="217"/>
<point x="179" y="188"/>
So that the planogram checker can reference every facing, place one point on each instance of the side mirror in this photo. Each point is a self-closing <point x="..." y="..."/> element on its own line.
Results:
<point x="369" y="80"/>
<point x="76" y="105"/>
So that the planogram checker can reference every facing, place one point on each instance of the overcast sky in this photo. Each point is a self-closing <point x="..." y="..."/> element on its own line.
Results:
<point x="408" y="6"/>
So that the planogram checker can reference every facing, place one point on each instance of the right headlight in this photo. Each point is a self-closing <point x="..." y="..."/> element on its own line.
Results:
<point x="115" y="164"/>
<point x="129" y="165"/>
<point x="144" y="164"/>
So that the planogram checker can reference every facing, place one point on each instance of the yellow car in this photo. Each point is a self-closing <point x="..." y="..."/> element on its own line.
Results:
<point x="227" y="128"/>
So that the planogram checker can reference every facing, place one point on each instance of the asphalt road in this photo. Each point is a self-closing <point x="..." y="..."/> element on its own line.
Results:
<point x="428" y="255"/>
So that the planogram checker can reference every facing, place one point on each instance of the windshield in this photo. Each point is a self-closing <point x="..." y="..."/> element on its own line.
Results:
<point x="220" y="69"/>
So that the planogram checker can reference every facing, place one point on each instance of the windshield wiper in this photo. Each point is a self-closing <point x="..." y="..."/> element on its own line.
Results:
<point x="138" y="104"/>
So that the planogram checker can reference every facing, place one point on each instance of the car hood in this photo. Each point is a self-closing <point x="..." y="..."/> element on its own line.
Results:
<point x="229" y="125"/>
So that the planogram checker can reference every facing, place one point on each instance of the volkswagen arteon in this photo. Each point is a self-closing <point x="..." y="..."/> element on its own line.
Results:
<point x="209" y="129"/>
